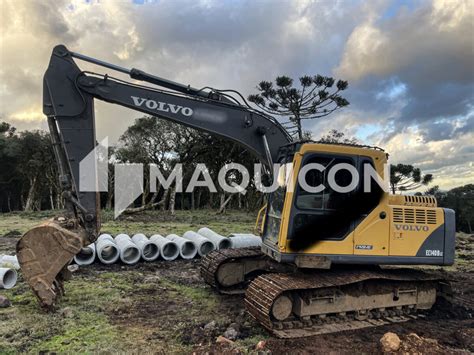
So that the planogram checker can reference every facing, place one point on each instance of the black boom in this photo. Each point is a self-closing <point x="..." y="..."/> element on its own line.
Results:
<point x="68" y="101"/>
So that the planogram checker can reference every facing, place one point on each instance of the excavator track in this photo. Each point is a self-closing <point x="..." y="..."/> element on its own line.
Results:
<point x="304" y="304"/>
<point x="211" y="263"/>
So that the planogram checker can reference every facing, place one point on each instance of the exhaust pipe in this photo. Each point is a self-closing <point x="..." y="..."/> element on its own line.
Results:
<point x="203" y="244"/>
<point x="106" y="249"/>
<point x="86" y="256"/>
<point x="187" y="249"/>
<point x="169" y="250"/>
<point x="149" y="250"/>
<point x="244" y="240"/>
<point x="220" y="241"/>
<point x="129" y="252"/>
<point x="8" y="278"/>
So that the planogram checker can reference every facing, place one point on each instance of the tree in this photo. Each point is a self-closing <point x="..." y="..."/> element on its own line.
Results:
<point x="10" y="181"/>
<point x="460" y="199"/>
<point x="215" y="152"/>
<point x="151" y="140"/>
<point x="314" y="98"/>
<point x="436" y="192"/>
<point x="405" y="177"/>
<point x="335" y="136"/>
<point x="28" y="178"/>
<point x="37" y="166"/>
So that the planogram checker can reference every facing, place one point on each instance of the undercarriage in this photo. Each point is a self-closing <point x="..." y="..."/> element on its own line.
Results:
<point x="231" y="270"/>
<point x="292" y="302"/>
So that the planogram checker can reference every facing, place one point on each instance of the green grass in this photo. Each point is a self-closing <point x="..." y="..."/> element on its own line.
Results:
<point x="83" y="321"/>
<point x="203" y="296"/>
<point x="155" y="222"/>
<point x="88" y="318"/>
<point x="148" y="222"/>
<point x="78" y="325"/>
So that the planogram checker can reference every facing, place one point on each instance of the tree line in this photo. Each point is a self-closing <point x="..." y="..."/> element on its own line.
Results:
<point x="460" y="199"/>
<point x="29" y="178"/>
<point x="153" y="141"/>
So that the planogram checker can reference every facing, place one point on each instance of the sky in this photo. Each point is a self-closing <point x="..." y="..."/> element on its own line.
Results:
<point x="410" y="64"/>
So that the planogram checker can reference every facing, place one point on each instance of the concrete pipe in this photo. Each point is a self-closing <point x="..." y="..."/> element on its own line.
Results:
<point x="8" y="277"/>
<point x="169" y="250"/>
<point x="86" y="256"/>
<point x="243" y="240"/>
<point x="106" y="249"/>
<point x="9" y="261"/>
<point x="148" y="250"/>
<point x="203" y="244"/>
<point x="220" y="241"/>
<point x="129" y="252"/>
<point x="187" y="248"/>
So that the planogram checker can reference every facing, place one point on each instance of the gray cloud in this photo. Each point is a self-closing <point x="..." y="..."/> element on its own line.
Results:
<point x="466" y="125"/>
<point x="436" y="131"/>
<point x="221" y="44"/>
<point x="429" y="50"/>
<point x="411" y="77"/>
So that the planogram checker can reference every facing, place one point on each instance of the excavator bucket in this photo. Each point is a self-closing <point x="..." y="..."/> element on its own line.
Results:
<point x="44" y="252"/>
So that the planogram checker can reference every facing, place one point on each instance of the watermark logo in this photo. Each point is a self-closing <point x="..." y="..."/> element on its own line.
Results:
<point x="129" y="178"/>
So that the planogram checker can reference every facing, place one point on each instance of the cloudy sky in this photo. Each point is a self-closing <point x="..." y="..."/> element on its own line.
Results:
<point x="410" y="64"/>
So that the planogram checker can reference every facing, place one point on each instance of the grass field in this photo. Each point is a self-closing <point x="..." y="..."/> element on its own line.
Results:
<point x="146" y="307"/>
<point x="164" y="306"/>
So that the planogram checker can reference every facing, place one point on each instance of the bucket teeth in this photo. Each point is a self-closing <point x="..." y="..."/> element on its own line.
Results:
<point x="44" y="253"/>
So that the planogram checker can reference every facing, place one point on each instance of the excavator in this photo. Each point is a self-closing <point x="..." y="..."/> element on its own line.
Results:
<point x="329" y="261"/>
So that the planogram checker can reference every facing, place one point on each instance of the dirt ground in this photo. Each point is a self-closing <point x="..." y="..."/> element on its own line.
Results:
<point x="165" y="307"/>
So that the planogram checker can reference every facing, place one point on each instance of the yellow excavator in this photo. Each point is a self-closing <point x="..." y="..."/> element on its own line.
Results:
<point x="324" y="263"/>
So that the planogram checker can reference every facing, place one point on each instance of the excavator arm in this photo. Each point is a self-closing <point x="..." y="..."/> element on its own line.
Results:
<point x="68" y="102"/>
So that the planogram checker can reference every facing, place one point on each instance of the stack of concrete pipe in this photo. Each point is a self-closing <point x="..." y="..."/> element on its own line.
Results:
<point x="169" y="250"/>
<point x="187" y="248"/>
<point x="131" y="249"/>
<point x="9" y="261"/>
<point x="86" y="256"/>
<point x="8" y="275"/>
<point x="106" y="249"/>
<point x="245" y="240"/>
<point x="203" y="244"/>
<point x="234" y="240"/>
<point x="220" y="241"/>
<point x="148" y="250"/>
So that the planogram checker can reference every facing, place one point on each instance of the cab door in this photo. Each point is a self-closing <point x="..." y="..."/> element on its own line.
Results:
<point x="322" y="222"/>
<point x="371" y="235"/>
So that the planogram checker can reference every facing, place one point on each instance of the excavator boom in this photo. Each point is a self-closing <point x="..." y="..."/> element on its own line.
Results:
<point x="68" y="103"/>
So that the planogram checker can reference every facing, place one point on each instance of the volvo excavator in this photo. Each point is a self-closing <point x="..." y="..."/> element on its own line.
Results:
<point x="325" y="261"/>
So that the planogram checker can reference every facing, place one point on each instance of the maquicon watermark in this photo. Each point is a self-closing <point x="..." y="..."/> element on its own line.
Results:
<point x="129" y="178"/>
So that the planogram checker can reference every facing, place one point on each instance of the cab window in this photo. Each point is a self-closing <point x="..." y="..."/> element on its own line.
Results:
<point x="322" y="215"/>
<point x="329" y="214"/>
<point x="328" y="198"/>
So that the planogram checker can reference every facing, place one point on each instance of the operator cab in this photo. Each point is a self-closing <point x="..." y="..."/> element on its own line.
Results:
<point x="318" y="212"/>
